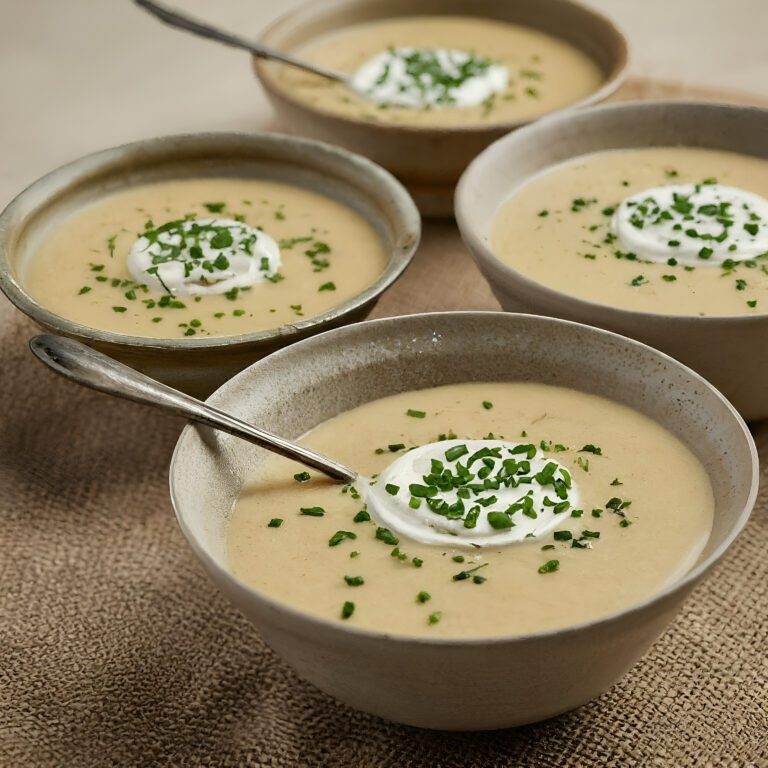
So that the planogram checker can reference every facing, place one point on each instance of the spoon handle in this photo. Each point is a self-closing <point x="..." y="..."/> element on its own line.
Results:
<point x="93" y="369"/>
<point x="188" y="24"/>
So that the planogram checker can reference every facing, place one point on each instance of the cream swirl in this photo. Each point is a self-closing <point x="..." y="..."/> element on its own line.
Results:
<point x="694" y="224"/>
<point x="429" y="77"/>
<point x="477" y="493"/>
<point x="203" y="256"/>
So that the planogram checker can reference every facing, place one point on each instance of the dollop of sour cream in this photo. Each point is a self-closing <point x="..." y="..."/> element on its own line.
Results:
<point x="203" y="256"/>
<point x="695" y="224"/>
<point x="478" y="493"/>
<point x="429" y="77"/>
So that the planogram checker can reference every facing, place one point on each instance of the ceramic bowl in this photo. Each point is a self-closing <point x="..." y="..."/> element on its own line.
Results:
<point x="723" y="349"/>
<point x="429" y="161"/>
<point x="199" y="365"/>
<point x="497" y="682"/>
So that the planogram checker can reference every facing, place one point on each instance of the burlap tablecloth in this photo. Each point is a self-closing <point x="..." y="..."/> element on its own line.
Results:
<point x="115" y="649"/>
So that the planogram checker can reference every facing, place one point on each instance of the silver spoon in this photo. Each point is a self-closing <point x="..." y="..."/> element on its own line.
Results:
<point x="93" y="369"/>
<point x="175" y="19"/>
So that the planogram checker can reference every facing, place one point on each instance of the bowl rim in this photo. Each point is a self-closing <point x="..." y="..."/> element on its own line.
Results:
<point x="318" y="623"/>
<point x="483" y="254"/>
<point x="57" y="181"/>
<point x="609" y="85"/>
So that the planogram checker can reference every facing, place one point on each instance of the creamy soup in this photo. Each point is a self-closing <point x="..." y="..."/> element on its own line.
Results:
<point x="619" y="509"/>
<point x="204" y="257"/>
<point x="442" y="71"/>
<point x="672" y="230"/>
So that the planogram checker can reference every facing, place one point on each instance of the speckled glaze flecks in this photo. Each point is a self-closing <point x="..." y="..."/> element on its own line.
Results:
<point x="200" y="365"/>
<point x="429" y="161"/>
<point x="727" y="350"/>
<point x="499" y="682"/>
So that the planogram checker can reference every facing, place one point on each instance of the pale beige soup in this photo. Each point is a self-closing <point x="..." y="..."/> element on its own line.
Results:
<point x="80" y="269"/>
<point x="667" y="524"/>
<point x="545" y="73"/>
<point x="542" y="234"/>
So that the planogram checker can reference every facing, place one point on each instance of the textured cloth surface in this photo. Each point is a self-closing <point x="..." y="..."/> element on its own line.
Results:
<point x="117" y="650"/>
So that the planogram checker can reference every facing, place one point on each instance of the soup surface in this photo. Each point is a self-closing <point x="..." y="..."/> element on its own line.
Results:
<point x="328" y="254"/>
<point x="560" y="229"/>
<point x="542" y="72"/>
<point x="644" y="514"/>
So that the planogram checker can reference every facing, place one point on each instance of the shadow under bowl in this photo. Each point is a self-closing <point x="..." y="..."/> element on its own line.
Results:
<point x="494" y="682"/>
<point x="199" y="365"/>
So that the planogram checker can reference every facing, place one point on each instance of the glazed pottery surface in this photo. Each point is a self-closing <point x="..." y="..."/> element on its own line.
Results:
<point x="429" y="161"/>
<point x="492" y="682"/>
<point x="200" y="365"/>
<point x="727" y="350"/>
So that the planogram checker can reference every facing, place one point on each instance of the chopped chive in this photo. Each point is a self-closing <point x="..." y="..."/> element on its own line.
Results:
<point x="392" y="489"/>
<point x="456" y="452"/>
<point x="119" y="309"/>
<point x="589" y="448"/>
<point x="385" y="535"/>
<point x="499" y="520"/>
<point x="415" y="414"/>
<point x="301" y="477"/>
<point x="339" y="536"/>
<point x="312" y="511"/>
<point x="275" y="522"/>
<point x="354" y="581"/>
<point x="487" y="404"/>
<point x="563" y="535"/>
<point x="464" y="575"/>
<point x="327" y="287"/>
<point x="435" y="617"/>
<point x="83" y="290"/>
<point x="417" y="562"/>
<point x="458" y="558"/>
<point x="423" y="597"/>
<point x="362" y="516"/>
<point x="550" y="566"/>
<point x="347" y="610"/>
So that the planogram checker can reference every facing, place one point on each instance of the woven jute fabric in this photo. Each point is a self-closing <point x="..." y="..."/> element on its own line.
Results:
<point x="115" y="649"/>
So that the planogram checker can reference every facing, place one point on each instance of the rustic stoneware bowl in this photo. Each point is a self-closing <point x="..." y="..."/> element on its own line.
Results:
<point x="727" y="350"/>
<point x="199" y="365"/>
<point x="498" y="682"/>
<point x="429" y="161"/>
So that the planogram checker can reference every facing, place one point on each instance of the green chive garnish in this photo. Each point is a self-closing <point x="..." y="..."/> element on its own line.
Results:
<point x="339" y="536"/>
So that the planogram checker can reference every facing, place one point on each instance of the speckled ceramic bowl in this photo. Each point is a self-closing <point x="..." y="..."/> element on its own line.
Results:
<point x="429" y="161"/>
<point x="199" y="365"/>
<point x="728" y="350"/>
<point x="493" y="683"/>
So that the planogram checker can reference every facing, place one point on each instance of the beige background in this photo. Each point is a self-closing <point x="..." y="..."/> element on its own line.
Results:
<point x="115" y="649"/>
<point x="80" y="75"/>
